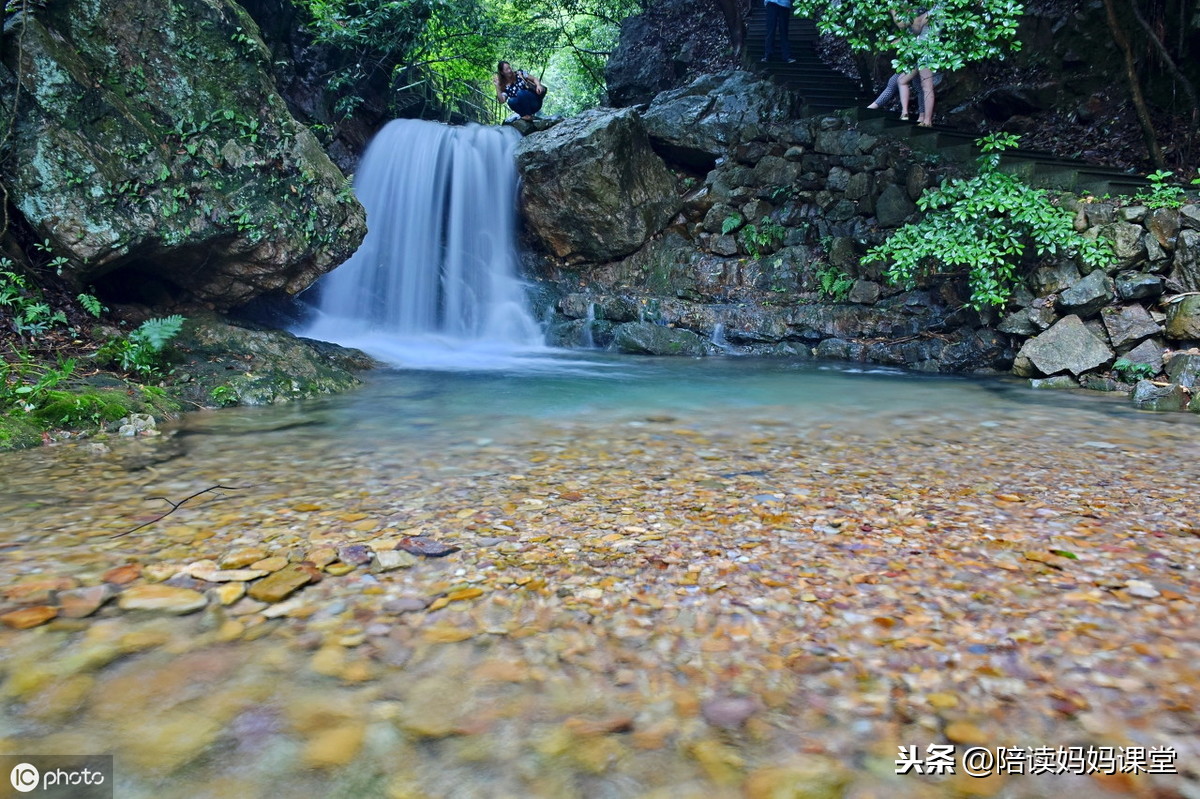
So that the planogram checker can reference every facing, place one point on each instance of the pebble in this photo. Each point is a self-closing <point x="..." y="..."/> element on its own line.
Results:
<point x="334" y="747"/>
<point x="123" y="575"/>
<point x="1142" y="589"/>
<point x="241" y="558"/>
<point x="228" y="593"/>
<point x="79" y="603"/>
<point x="390" y="560"/>
<point x="162" y="598"/>
<point x="272" y="564"/>
<point x="729" y="712"/>
<point x="281" y="584"/>
<point x="24" y="618"/>
<point x="354" y="554"/>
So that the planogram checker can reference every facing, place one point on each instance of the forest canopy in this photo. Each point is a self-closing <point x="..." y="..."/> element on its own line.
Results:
<point x="450" y="48"/>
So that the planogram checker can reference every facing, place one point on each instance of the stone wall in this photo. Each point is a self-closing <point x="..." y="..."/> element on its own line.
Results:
<point x="752" y="263"/>
<point x="1111" y="329"/>
<point x="789" y="207"/>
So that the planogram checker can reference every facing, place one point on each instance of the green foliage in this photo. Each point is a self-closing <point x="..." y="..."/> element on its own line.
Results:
<point x="762" y="238"/>
<point x="731" y="223"/>
<point x="223" y="396"/>
<point x="25" y="383"/>
<point x="984" y="225"/>
<point x="834" y="284"/>
<point x="447" y="52"/>
<point x="91" y="304"/>
<point x="28" y="313"/>
<point x="142" y="352"/>
<point x="961" y="31"/>
<point x="1161" y="194"/>
<point x="1127" y="371"/>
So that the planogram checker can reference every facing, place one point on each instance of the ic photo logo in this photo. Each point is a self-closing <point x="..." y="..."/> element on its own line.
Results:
<point x="24" y="777"/>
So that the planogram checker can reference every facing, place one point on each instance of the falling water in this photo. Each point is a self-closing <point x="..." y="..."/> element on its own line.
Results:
<point x="588" y="340"/>
<point x="719" y="340"/>
<point x="434" y="283"/>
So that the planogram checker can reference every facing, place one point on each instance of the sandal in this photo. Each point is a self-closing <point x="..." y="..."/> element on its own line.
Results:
<point x="904" y="117"/>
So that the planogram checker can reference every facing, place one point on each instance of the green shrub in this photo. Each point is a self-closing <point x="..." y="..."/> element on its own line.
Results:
<point x="834" y="284"/>
<point x="29" y="314"/>
<point x="984" y="225"/>
<point x="1161" y="194"/>
<point x="142" y="352"/>
<point x="1127" y="371"/>
<point x="763" y="238"/>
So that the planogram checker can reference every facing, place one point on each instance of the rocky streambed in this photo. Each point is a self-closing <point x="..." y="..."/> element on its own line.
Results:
<point x="693" y="591"/>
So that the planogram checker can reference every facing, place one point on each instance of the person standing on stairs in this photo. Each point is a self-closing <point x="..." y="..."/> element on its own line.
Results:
<point x="918" y="26"/>
<point x="779" y="14"/>
<point x="892" y="90"/>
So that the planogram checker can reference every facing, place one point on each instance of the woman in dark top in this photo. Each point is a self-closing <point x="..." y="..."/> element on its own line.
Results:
<point x="523" y="92"/>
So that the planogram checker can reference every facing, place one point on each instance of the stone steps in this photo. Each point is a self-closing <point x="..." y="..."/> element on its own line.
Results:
<point x="826" y="91"/>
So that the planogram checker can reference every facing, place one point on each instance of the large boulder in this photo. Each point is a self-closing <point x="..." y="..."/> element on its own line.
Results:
<point x="1185" y="269"/>
<point x="1183" y="318"/>
<point x="236" y="363"/>
<point x="698" y="123"/>
<point x="647" y="338"/>
<point x="151" y="150"/>
<point x="1067" y="347"/>
<point x="664" y="47"/>
<point x="592" y="188"/>
<point x="1128" y="325"/>
<point x="1088" y="295"/>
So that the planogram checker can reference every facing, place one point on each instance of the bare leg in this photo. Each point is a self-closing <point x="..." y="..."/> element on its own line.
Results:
<point x="927" y="92"/>
<point x="905" y="91"/>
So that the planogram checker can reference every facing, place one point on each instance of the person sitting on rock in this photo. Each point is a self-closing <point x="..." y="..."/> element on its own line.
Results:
<point x="523" y="92"/>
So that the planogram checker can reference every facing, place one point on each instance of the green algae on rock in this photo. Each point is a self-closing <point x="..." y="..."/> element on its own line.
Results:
<point x="152" y="150"/>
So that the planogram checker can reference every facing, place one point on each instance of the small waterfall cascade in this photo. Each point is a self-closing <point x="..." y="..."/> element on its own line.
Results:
<point x="434" y="283"/>
<point x="588" y="340"/>
<point x="718" y="339"/>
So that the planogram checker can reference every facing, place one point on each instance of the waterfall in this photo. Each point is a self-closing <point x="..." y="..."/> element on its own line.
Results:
<point x="719" y="341"/>
<point x="434" y="283"/>
<point x="588" y="340"/>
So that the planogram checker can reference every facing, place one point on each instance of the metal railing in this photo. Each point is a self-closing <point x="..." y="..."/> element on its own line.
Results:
<point x="449" y="100"/>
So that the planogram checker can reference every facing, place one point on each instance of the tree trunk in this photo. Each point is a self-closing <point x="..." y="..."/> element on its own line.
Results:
<point x="1135" y="88"/>
<point x="1165" y="56"/>
<point x="735" y="21"/>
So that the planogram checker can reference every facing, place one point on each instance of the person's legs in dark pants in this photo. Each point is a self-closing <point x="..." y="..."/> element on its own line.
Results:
<point x="526" y="103"/>
<point x="777" y="23"/>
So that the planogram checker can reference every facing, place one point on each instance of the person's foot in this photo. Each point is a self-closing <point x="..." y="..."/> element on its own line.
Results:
<point x="904" y="117"/>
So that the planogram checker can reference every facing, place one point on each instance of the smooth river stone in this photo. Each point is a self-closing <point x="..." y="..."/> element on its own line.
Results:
<point x="25" y="618"/>
<point x="281" y="584"/>
<point x="165" y="598"/>
<point x="79" y="603"/>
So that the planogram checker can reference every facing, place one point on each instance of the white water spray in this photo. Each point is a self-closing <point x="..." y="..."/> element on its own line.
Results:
<point x="434" y="283"/>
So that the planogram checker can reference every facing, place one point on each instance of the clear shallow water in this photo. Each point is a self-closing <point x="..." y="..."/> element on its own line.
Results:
<point x="596" y="388"/>
<point x="743" y="469"/>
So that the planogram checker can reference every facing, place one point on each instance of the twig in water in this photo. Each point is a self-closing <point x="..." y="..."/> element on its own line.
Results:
<point x="176" y="505"/>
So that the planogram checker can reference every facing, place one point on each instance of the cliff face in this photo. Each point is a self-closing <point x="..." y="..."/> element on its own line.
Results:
<point x="666" y="47"/>
<point x="151" y="151"/>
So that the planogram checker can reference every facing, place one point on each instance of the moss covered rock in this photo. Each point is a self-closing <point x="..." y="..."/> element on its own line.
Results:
<point x="231" y="364"/>
<point x="151" y="149"/>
